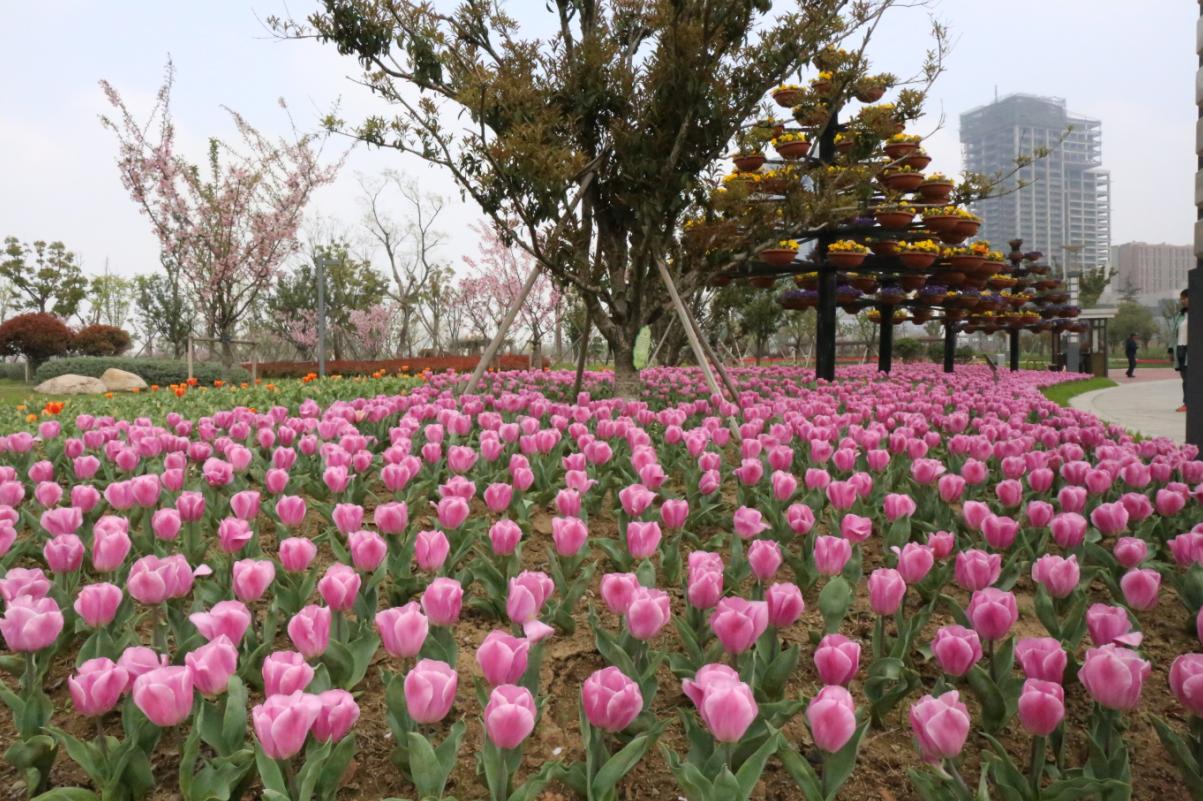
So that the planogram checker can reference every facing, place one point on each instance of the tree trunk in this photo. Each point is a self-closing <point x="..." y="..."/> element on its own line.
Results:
<point x="536" y="353"/>
<point x="626" y="377"/>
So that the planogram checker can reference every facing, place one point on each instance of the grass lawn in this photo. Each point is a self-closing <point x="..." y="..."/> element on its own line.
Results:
<point x="1061" y="393"/>
<point x="14" y="392"/>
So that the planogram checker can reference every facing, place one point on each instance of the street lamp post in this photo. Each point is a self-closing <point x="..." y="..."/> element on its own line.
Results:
<point x="1071" y="278"/>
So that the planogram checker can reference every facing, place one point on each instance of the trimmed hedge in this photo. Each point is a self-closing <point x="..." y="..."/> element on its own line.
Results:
<point x="350" y="367"/>
<point x="152" y="371"/>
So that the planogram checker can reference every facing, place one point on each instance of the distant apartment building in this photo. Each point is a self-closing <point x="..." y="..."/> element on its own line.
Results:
<point x="1065" y="199"/>
<point x="1152" y="272"/>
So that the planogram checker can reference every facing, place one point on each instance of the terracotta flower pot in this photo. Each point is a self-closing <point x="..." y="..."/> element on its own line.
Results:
<point x="845" y="261"/>
<point x="952" y="279"/>
<point x="870" y="94"/>
<point x="863" y="283"/>
<point x="845" y="146"/>
<point x="968" y="227"/>
<point x="748" y="162"/>
<point x="884" y="247"/>
<point x="787" y="98"/>
<point x="939" y="223"/>
<point x="953" y="237"/>
<point x="762" y="281"/>
<point x="936" y="191"/>
<point x="917" y="261"/>
<point x="901" y="181"/>
<point x="894" y="219"/>
<point x="964" y="263"/>
<point x="912" y="282"/>
<point x="778" y="257"/>
<point x="797" y="304"/>
<point x="793" y="150"/>
<point x="896" y="150"/>
<point x="916" y="161"/>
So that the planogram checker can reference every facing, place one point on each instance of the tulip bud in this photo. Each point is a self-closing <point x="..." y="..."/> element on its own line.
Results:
<point x="611" y="700"/>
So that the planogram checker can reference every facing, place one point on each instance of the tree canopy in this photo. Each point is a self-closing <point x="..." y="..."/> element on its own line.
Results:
<point x="45" y="276"/>
<point x="624" y="108"/>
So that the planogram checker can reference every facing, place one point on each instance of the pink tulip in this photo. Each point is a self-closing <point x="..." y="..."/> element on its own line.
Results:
<point x="62" y="520"/>
<point x="1130" y="551"/>
<point x="886" y="590"/>
<point x="296" y="554"/>
<point x="368" y="550"/>
<point x="950" y="488"/>
<point x="915" y="561"/>
<point x="228" y="619"/>
<point x="705" y="587"/>
<point x="957" y="649"/>
<point x="837" y="659"/>
<point x="1168" y="503"/>
<point x="1058" y="575"/>
<point x="831" y="554"/>
<point x="136" y="660"/>
<point x="941" y="543"/>
<point x="245" y="504"/>
<point x="338" y="716"/>
<point x="430" y="690"/>
<point x="1041" y="658"/>
<point x="1109" y="518"/>
<point x="999" y="531"/>
<point x="1069" y="529"/>
<point x="212" y="665"/>
<point x="800" y="518"/>
<point x="110" y="543"/>
<point x="64" y="553"/>
<point x="976" y="569"/>
<point x="673" y="513"/>
<point x="1140" y="588"/>
<point x="233" y="534"/>
<point x="1041" y="706"/>
<point x="283" y="721"/>
<point x="831" y="716"/>
<point x="502" y="657"/>
<point x="1072" y="499"/>
<point x="738" y="623"/>
<point x="992" y="612"/>
<point x="785" y="604"/>
<point x="1038" y="513"/>
<point x="191" y="506"/>
<point x="975" y="514"/>
<point x="617" y="591"/>
<point x="926" y="471"/>
<point x="725" y="704"/>
<point x="498" y="496"/>
<point x="309" y="630"/>
<point x="568" y="503"/>
<point x="442" y="601"/>
<point x="635" y="499"/>
<point x="748" y="522"/>
<point x="165" y="695"/>
<point x="648" y="613"/>
<point x="1110" y="624"/>
<point x="151" y="580"/>
<point x="841" y="494"/>
<point x="1186" y="681"/>
<point x="452" y="512"/>
<point x="856" y="528"/>
<point x="569" y="535"/>
<point x="339" y="587"/>
<point x="347" y="517"/>
<point x="528" y="591"/>
<point x="96" y="686"/>
<point x="285" y="673"/>
<point x="1114" y="676"/>
<point x="391" y="518"/>
<point x="402" y="629"/>
<point x="252" y="577"/>
<point x="940" y="724"/>
<point x="504" y="536"/>
<point x="166" y="524"/>
<point x="96" y="604"/>
<point x="1009" y="493"/>
<point x="764" y="557"/>
<point x="897" y="506"/>
<point x="431" y="549"/>
<point x="610" y="699"/>
<point x="509" y="716"/>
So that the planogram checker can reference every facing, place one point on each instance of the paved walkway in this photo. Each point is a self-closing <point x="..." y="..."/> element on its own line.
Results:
<point x="1146" y="404"/>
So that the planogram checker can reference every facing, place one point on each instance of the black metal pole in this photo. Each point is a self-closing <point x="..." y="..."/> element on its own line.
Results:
<point x="1193" y="377"/>
<point x="885" y="349"/>
<point x="1014" y="350"/>
<point x="825" y="323"/>
<point x="950" y="345"/>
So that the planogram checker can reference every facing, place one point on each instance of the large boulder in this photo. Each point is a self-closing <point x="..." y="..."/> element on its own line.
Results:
<point x="72" y="384"/>
<point x="121" y="380"/>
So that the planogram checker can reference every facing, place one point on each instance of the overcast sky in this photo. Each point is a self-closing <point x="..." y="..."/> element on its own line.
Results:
<point x="1130" y="64"/>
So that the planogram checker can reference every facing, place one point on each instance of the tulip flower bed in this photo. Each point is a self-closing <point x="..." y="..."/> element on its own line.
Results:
<point x="896" y="587"/>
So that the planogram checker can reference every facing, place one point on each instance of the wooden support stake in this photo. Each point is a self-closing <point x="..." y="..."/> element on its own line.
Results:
<point x="694" y="342"/>
<point x="512" y="312"/>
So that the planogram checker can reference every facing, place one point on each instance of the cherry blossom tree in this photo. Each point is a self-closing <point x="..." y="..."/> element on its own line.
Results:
<point x="499" y="274"/>
<point x="229" y="223"/>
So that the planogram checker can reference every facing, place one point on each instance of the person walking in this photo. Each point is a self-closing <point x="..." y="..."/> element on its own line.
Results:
<point x="1130" y="348"/>
<point x="1178" y="332"/>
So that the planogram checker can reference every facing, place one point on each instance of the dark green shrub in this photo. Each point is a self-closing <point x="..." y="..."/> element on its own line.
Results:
<point x="152" y="371"/>
<point x="37" y="336"/>
<point x="935" y="352"/>
<point x="100" y="340"/>
<point x="908" y="349"/>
